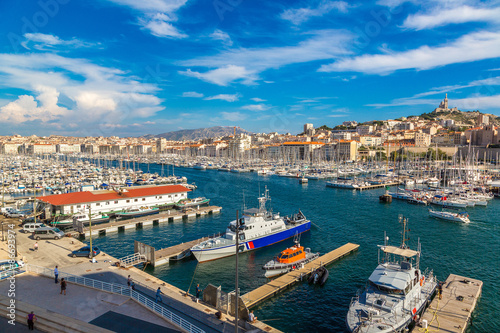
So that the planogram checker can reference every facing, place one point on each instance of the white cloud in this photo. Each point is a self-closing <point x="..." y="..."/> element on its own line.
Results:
<point x="46" y="42"/>
<point x="222" y="36"/>
<point x="443" y="16"/>
<point x="243" y="64"/>
<point x="256" y="99"/>
<point x="99" y="94"/>
<point x="233" y="116"/>
<point x="472" y="47"/>
<point x="256" y="107"/>
<point x="224" y="75"/>
<point x="159" y="26"/>
<point x="156" y="15"/>
<point x="192" y="94"/>
<point x="26" y="108"/>
<point x="301" y="15"/>
<point x="224" y="97"/>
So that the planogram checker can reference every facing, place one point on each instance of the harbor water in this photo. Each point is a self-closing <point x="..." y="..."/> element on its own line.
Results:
<point x="339" y="216"/>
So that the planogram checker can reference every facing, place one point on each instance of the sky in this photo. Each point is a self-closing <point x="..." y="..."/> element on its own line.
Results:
<point x="135" y="67"/>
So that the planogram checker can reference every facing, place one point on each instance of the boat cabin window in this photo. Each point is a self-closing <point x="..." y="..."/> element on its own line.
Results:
<point x="387" y="290"/>
<point x="284" y="256"/>
<point x="405" y="265"/>
<point x="242" y="236"/>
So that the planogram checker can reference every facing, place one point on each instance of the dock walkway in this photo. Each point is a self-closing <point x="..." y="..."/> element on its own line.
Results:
<point x="270" y="289"/>
<point x="453" y="312"/>
<point x="168" y="216"/>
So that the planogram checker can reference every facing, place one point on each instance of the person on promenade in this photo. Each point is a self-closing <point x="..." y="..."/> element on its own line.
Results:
<point x="251" y="317"/>
<point x="158" y="295"/>
<point x="132" y="285"/>
<point x="63" y="286"/>
<point x="31" y="320"/>
<point x="35" y="247"/>
<point x="56" y="274"/>
<point x="197" y="292"/>
<point x="129" y="280"/>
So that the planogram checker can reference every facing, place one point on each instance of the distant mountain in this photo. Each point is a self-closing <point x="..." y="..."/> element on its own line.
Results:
<point x="199" y="133"/>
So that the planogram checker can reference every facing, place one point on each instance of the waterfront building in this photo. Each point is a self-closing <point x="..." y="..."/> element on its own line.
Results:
<point x="482" y="136"/>
<point x="40" y="148"/>
<point x="161" y="145"/>
<point x="422" y="139"/>
<point x="364" y="129"/>
<point x="105" y="201"/>
<point x="342" y="135"/>
<point x="370" y="140"/>
<point x="10" y="148"/>
<point x="64" y="148"/>
<point x="309" y="129"/>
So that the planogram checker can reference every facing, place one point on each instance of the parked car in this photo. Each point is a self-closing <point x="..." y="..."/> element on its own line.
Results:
<point x="85" y="252"/>
<point x="47" y="233"/>
<point x="5" y="210"/>
<point x="31" y="227"/>
<point x="14" y="214"/>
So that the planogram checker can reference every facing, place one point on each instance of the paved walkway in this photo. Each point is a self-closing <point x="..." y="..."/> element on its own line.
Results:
<point x="17" y="328"/>
<point x="82" y="303"/>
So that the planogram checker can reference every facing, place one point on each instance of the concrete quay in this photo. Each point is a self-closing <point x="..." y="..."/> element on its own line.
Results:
<point x="57" y="252"/>
<point x="452" y="313"/>
<point x="162" y="217"/>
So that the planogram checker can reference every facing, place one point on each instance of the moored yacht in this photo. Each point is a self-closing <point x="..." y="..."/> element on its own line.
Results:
<point x="450" y="216"/>
<point x="259" y="228"/>
<point x="396" y="293"/>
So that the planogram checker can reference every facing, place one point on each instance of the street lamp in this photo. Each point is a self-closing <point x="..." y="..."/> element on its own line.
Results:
<point x="239" y="225"/>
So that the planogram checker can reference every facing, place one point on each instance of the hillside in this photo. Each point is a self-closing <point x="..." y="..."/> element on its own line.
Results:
<point x="460" y="117"/>
<point x="199" y="133"/>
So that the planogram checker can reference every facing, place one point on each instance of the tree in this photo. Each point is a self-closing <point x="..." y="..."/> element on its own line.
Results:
<point x="325" y="128"/>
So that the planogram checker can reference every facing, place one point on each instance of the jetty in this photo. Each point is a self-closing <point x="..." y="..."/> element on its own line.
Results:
<point x="125" y="224"/>
<point x="275" y="286"/>
<point x="453" y="311"/>
<point x="164" y="256"/>
<point x="370" y="187"/>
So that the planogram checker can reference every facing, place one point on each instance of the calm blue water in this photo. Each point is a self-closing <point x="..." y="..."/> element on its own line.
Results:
<point x="339" y="216"/>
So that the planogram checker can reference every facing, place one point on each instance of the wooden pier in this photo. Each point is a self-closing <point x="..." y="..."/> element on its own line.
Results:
<point x="277" y="285"/>
<point x="370" y="187"/>
<point x="164" y="256"/>
<point x="453" y="311"/>
<point x="169" y="216"/>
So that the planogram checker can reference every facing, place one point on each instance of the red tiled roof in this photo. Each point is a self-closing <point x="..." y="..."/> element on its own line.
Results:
<point x="89" y="196"/>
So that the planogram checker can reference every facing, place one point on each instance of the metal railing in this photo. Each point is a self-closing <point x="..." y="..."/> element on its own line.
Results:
<point x="132" y="260"/>
<point x="120" y="289"/>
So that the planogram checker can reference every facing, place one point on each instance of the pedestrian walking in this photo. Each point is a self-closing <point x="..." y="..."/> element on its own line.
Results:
<point x="63" y="286"/>
<point x="31" y="321"/>
<point x="132" y="285"/>
<point x="56" y="274"/>
<point x="35" y="247"/>
<point x="197" y="292"/>
<point x="158" y="295"/>
<point x="129" y="280"/>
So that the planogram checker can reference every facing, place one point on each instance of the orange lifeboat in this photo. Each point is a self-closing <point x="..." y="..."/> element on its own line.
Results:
<point x="292" y="254"/>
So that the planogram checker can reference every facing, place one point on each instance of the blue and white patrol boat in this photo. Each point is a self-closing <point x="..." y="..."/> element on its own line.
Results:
<point x="259" y="228"/>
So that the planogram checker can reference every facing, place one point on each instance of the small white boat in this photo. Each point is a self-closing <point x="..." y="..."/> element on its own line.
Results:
<point x="303" y="180"/>
<point x="456" y="217"/>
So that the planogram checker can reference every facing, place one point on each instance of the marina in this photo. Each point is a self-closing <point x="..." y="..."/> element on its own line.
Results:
<point x="357" y="214"/>
<point x="453" y="311"/>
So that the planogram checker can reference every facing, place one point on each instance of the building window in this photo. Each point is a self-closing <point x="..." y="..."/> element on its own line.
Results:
<point x="78" y="206"/>
<point x="98" y="204"/>
<point x="143" y="199"/>
<point x="161" y="197"/>
<point x="128" y="201"/>
<point x="107" y="202"/>
<point x="135" y="200"/>
<point x="116" y="201"/>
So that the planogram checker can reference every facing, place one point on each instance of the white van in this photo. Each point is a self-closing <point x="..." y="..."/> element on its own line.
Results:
<point x="47" y="233"/>
<point x="31" y="227"/>
<point x="5" y="210"/>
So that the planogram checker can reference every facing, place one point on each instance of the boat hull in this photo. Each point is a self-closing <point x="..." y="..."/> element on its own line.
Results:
<point x="124" y="216"/>
<point x="209" y="254"/>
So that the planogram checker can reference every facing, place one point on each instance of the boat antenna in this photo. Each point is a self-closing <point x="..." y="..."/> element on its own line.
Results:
<point x="244" y="203"/>
<point x="404" y="221"/>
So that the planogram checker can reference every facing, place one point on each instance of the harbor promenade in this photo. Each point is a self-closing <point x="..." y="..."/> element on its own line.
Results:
<point x="57" y="252"/>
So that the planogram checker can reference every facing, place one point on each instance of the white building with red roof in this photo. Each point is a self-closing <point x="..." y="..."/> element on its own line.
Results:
<point x="108" y="201"/>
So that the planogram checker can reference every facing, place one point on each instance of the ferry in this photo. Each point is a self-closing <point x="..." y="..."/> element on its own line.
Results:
<point x="259" y="228"/>
<point x="288" y="260"/>
<point x="397" y="291"/>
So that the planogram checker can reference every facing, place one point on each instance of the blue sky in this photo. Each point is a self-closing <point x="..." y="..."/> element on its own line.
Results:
<point x="128" y="68"/>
